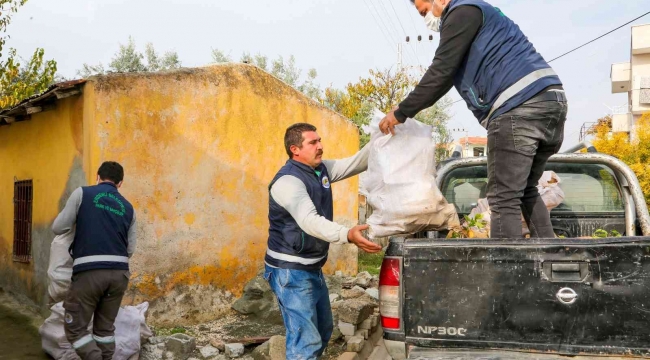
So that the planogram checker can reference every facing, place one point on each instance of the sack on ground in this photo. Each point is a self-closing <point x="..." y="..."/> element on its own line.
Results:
<point x="400" y="183"/>
<point x="59" y="270"/>
<point x="130" y="330"/>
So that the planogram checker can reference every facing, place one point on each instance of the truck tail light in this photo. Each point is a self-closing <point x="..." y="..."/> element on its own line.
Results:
<point x="389" y="294"/>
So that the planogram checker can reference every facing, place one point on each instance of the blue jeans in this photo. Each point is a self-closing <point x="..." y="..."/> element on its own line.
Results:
<point x="305" y="306"/>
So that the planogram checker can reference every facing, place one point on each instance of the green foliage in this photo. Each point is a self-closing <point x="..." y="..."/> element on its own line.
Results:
<point x="128" y="60"/>
<point x="20" y="80"/>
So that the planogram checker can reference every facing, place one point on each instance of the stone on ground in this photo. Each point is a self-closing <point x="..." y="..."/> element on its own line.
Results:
<point x="355" y="292"/>
<point x="234" y="350"/>
<point x="373" y="292"/>
<point x="347" y="328"/>
<point x="180" y="345"/>
<point x="364" y="279"/>
<point x="355" y="311"/>
<point x="209" y="352"/>
<point x="355" y="344"/>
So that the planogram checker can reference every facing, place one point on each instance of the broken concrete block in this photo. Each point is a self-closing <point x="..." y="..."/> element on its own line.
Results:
<point x="362" y="333"/>
<point x="151" y="352"/>
<point x="355" y="344"/>
<point x="355" y="311"/>
<point x="262" y="352"/>
<point x="219" y="344"/>
<point x="348" y="356"/>
<point x="366" y="324"/>
<point x="278" y="347"/>
<point x="157" y="340"/>
<point x="334" y="297"/>
<point x="373" y="292"/>
<point x="258" y="300"/>
<point x="363" y="279"/>
<point x="234" y="350"/>
<point x="348" y="283"/>
<point x="209" y="352"/>
<point x="347" y="328"/>
<point x="355" y="292"/>
<point x="180" y="345"/>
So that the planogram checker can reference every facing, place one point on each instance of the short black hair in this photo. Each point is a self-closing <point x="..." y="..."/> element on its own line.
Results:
<point x="293" y="136"/>
<point x="111" y="171"/>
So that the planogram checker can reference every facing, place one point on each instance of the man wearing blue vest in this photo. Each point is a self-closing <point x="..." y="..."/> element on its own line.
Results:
<point x="513" y="93"/>
<point x="300" y="232"/>
<point x="104" y="223"/>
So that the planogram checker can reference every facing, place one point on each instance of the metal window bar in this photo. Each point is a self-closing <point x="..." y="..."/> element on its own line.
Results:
<point x="23" y="197"/>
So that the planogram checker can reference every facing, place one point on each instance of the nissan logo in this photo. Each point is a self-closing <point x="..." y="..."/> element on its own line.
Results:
<point x="567" y="296"/>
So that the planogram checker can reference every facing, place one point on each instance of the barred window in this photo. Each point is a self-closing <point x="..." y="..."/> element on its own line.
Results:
<point x="23" y="197"/>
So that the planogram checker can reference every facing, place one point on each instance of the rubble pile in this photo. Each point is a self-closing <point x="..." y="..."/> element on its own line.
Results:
<point x="256" y="320"/>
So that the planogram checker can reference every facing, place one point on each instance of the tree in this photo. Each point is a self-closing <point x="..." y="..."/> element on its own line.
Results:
<point x="219" y="57"/>
<point x="285" y="70"/>
<point x="20" y="80"/>
<point x="635" y="153"/>
<point x="437" y="116"/>
<point x="128" y="59"/>
<point x="384" y="90"/>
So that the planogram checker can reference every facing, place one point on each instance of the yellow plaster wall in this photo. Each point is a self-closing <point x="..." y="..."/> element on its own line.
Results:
<point x="199" y="148"/>
<point x="48" y="150"/>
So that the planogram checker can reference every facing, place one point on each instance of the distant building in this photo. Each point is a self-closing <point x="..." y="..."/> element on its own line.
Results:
<point x="633" y="78"/>
<point x="473" y="146"/>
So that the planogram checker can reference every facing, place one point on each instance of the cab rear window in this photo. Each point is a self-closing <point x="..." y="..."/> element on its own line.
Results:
<point x="588" y="188"/>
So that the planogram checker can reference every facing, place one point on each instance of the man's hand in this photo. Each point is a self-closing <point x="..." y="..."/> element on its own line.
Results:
<point x="387" y="124"/>
<point x="356" y="237"/>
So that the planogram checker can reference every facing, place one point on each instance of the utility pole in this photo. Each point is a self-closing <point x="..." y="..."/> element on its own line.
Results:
<point x="408" y="42"/>
<point x="399" y="57"/>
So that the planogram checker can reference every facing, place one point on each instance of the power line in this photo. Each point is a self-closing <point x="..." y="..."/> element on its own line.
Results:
<point x="587" y="43"/>
<point x="383" y="15"/>
<point x="392" y="23"/>
<point x="408" y="11"/>
<point x="601" y="36"/>
<point x="397" y="17"/>
<point x="380" y="27"/>
<point x="404" y="30"/>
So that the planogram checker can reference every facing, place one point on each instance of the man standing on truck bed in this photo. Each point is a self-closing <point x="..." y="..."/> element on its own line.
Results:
<point x="513" y="93"/>
<point x="104" y="223"/>
<point x="301" y="230"/>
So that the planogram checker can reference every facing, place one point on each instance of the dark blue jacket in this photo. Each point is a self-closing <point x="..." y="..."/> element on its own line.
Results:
<point x="499" y="57"/>
<point x="288" y="246"/>
<point x="103" y="221"/>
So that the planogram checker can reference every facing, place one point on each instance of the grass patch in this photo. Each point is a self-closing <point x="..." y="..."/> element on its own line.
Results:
<point x="170" y="331"/>
<point x="370" y="262"/>
<point x="178" y="330"/>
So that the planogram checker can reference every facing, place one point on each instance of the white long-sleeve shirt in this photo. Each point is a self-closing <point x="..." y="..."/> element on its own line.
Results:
<point x="291" y="193"/>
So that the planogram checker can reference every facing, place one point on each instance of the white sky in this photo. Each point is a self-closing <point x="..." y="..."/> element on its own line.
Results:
<point x="341" y="39"/>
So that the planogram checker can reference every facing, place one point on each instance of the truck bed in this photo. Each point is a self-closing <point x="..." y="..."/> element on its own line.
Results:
<point x="560" y="296"/>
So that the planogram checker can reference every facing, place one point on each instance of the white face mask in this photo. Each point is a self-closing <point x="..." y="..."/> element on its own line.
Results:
<point x="432" y="22"/>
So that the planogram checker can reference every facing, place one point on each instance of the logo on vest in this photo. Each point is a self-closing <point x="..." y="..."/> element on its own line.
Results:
<point x="326" y="182"/>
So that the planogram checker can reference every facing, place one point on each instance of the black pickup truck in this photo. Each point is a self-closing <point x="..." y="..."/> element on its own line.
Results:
<point x="526" y="298"/>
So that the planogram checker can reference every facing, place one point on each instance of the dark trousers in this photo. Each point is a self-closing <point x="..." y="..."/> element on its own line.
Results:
<point x="95" y="293"/>
<point x="520" y="142"/>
